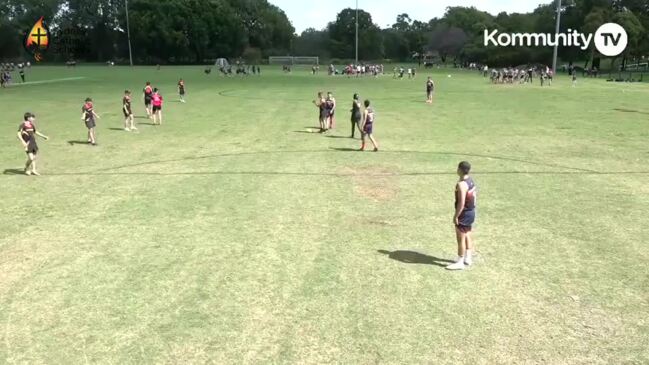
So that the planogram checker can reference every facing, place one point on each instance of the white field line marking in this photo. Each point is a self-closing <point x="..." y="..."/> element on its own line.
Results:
<point x="47" y="81"/>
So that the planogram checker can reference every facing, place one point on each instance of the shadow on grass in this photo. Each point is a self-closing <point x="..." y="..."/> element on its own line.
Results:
<point x="72" y="143"/>
<point x="116" y="129"/>
<point x="412" y="257"/>
<point x="345" y="137"/>
<point x="344" y="149"/>
<point x="13" y="172"/>
<point x="312" y="131"/>
<point x="630" y="111"/>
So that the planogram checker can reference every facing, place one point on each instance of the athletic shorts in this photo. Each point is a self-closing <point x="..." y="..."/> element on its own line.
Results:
<point x="32" y="147"/>
<point x="157" y="107"/>
<point x="465" y="221"/>
<point x="182" y="92"/>
<point x="127" y="113"/>
<point x="368" y="128"/>
<point x="147" y="101"/>
<point x="90" y="123"/>
<point x="356" y="118"/>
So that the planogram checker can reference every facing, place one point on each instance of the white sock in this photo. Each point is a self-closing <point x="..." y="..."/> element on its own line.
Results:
<point x="460" y="259"/>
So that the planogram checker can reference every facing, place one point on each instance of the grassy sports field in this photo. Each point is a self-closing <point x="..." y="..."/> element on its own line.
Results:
<point x="231" y="234"/>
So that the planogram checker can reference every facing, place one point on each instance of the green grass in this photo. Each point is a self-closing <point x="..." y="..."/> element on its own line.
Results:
<point x="229" y="235"/>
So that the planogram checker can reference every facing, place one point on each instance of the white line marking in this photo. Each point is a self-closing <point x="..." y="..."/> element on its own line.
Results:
<point x="47" y="81"/>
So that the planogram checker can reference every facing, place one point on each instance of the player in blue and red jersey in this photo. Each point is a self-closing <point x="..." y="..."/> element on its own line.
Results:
<point x="465" y="205"/>
<point x="368" y="126"/>
<point x="331" y="111"/>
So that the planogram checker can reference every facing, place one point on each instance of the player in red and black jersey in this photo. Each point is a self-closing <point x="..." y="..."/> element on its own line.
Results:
<point x="89" y="116"/>
<point x="147" y="94"/>
<point x="129" y="120"/>
<point x="27" y="135"/>
<point x="181" y="90"/>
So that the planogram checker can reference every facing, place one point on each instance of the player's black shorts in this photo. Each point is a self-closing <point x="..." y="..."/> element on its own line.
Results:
<point x="90" y="123"/>
<point x="156" y="108"/>
<point x="127" y="112"/>
<point x="32" y="147"/>
<point x="147" y="101"/>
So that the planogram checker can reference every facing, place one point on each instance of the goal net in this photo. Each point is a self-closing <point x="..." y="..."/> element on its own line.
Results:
<point x="289" y="60"/>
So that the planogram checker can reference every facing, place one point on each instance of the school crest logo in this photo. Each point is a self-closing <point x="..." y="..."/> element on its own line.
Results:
<point x="37" y="40"/>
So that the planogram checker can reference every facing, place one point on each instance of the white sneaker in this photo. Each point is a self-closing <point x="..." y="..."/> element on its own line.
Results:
<point x="468" y="258"/>
<point x="126" y="129"/>
<point x="456" y="266"/>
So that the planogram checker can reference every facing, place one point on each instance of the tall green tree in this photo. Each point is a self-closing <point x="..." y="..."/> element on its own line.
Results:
<point x="342" y="36"/>
<point x="313" y="43"/>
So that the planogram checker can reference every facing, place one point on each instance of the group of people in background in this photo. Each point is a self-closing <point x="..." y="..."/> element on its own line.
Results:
<point x="7" y="68"/>
<point x="513" y="75"/>
<point x="239" y="70"/>
<point x="400" y="73"/>
<point x="352" y="70"/>
<point x="362" y="70"/>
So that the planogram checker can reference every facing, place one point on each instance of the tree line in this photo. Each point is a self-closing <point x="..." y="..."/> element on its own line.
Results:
<point x="162" y="31"/>
<point x="194" y="31"/>
<point x="458" y="36"/>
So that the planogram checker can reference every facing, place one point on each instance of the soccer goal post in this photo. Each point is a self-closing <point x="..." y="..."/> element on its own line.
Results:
<point x="290" y="60"/>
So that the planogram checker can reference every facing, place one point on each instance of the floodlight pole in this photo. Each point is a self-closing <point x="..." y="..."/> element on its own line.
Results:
<point x="556" y="34"/>
<point x="128" y="34"/>
<point x="356" y="32"/>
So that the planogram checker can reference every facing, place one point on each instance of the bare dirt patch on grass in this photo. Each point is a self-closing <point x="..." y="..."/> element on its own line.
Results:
<point x="376" y="183"/>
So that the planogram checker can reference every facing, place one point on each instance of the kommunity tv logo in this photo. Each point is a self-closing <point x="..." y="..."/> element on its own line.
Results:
<point x="610" y="39"/>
